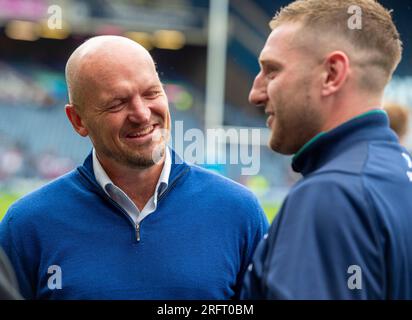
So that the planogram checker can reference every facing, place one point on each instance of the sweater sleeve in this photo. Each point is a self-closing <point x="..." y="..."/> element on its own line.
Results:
<point x="19" y="254"/>
<point x="257" y="229"/>
<point x="322" y="245"/>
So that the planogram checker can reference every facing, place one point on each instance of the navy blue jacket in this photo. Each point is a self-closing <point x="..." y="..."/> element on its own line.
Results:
<point x="345" y="229"/>
<point x="69" y="240"/>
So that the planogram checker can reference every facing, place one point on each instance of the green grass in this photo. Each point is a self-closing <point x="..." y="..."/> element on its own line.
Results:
<point x="6" y="199"/>
<point x="271" y="209"/>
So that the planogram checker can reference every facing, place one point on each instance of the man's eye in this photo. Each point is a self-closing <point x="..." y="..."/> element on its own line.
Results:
<point x="153" y="94"/>
<point x="116" y="105"/>
<point x="270" y="74"/>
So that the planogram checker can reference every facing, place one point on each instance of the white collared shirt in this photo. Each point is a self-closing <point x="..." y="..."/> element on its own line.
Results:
<point x="121" y="198"/>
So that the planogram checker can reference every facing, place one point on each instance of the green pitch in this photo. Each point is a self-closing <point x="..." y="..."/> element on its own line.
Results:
<point x="6" y="199"/>
<point x="271" y="209"/>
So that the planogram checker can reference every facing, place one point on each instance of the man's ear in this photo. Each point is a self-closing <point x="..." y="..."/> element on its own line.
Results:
<point x="76" y="120"/>
<point x="336" y="71"/>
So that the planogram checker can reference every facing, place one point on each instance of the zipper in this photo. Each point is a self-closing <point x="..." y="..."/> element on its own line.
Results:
<point x="136" y="226"/>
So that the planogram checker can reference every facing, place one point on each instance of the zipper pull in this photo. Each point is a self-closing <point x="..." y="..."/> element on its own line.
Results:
<point x="137" y="232"/>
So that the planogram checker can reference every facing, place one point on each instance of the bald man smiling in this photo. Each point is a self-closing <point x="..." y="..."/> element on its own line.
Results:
<point x="134" y="221"/>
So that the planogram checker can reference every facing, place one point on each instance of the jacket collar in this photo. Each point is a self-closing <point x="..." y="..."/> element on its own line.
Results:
<point x="370" y="126"/>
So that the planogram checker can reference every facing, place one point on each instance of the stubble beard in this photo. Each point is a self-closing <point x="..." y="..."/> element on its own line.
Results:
<point x="137" y="160"/>
<point x="294" y="125"/>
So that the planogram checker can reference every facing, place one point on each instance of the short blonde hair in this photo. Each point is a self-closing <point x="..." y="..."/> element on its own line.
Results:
<point x="398" y="118"/>
<point x="378" y="39"/>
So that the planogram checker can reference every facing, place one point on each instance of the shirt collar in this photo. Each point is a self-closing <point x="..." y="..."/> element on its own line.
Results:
<point x="165" y="174"/>
<point x="104" y="181"/>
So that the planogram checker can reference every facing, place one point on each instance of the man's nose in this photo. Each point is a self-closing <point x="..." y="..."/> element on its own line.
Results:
<point x="258" y="94"/>
<point x="139" y="111"/>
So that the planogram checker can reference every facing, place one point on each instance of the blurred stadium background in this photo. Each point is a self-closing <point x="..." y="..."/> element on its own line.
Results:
<point x="195" y="59"/>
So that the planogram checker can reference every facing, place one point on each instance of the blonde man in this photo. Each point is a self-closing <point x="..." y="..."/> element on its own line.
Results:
<point x="398" y="119"/>
<point x="344" y="230"/>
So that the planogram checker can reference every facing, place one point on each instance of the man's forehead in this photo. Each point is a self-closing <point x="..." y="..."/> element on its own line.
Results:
<point x="113" y="68"/>
<point x="274" y="48"/>
<point x="284" y="35"/>
<point x="126" y="87"/>
<point x="120" y="80"/>
<point x="282" y="41"/>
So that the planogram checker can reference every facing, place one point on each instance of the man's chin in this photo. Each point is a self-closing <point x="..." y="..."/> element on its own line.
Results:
<point x="139" y="162"/>
<point x="281" y="147"/>
<point x="146" y="160"/>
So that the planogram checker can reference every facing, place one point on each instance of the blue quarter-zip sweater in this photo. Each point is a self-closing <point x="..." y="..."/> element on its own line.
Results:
<point x="345" y="230"/>
<point x="69" y="240"/>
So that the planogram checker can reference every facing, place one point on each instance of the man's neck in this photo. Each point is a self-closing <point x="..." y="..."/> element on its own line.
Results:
<point x="343" y="112"/>
<point x="138" y="184"/>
